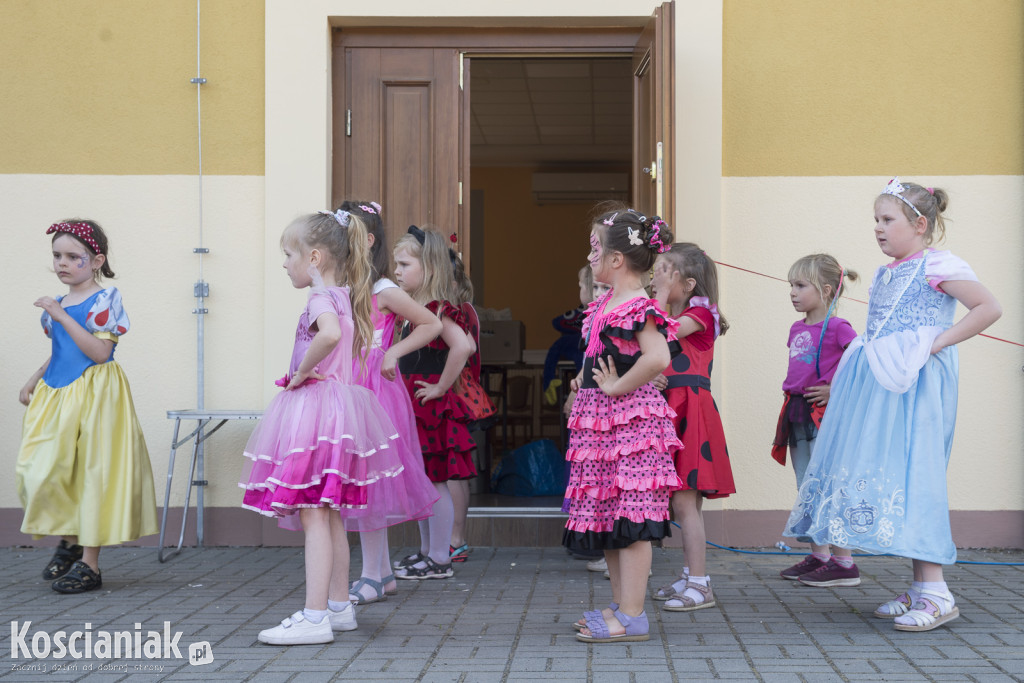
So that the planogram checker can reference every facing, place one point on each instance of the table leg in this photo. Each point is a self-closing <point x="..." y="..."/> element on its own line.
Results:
<point x="167" y="496"/>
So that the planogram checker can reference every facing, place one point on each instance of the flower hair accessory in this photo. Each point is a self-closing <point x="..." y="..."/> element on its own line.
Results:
<point x="343" y="217"/>
<point x="634" y="236"/>
<point x="656" y="241"/>
<point x="82" y="231"/>
<point x="377" y="206"/>
<point x="896" y="189"/>
<point x="368" y="209"/>
<point x="610" y="221"/>
<point x="417" y="233"/>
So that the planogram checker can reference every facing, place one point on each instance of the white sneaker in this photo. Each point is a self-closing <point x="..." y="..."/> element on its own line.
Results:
<point x="343" y="620"/>
<point x="598" y="565"/>
<point x="297" y="630"/>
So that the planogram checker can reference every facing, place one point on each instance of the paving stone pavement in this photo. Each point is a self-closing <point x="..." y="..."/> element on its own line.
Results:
<point x="506" y="616"/>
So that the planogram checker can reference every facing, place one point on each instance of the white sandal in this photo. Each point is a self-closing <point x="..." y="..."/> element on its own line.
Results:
<point x="666" y="592"/>
<point x="927" y="614"/>
<point x="894" y="608"/>
<point x="684" y="603"/>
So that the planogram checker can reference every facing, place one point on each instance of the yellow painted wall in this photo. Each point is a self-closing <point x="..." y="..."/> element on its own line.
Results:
<point x="873" y="87"/>
<point x="102" y="87"/>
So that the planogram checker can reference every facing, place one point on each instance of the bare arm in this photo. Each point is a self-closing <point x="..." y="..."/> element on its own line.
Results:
<point x="654" y="358"/>
<point x="426" y="327"/>
<point x="460" y="348"/>
<point x="327" y="336"/>
<point x="982" y="311"/>
<point x="98" y="350"/>
<point x="25" y="395"/>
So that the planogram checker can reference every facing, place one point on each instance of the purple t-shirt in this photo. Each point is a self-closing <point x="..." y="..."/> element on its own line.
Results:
<point x="803" y="346"/>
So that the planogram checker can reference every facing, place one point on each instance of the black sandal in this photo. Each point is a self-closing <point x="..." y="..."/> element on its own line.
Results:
<point x="429" y="570"/>
<point x="409" y="560"/>
<point x="79" y="579"/>
<point x="62" y="560"/>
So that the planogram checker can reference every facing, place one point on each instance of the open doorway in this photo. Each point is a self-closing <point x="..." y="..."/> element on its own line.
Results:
<point x="549" y="138"/>
<point x="507" y="137"/>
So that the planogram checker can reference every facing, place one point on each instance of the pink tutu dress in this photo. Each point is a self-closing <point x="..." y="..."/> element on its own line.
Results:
<point x="410" y="495"/>
<point x="620" y="448"/>
<point x="325" y="443"/>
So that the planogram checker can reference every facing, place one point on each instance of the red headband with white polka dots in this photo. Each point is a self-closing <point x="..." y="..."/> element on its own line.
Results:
<point x="82" y="231"/>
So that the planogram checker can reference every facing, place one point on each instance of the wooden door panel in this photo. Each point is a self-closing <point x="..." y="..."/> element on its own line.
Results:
<point x="403" y="150"/>
<point x="406" y="143"/>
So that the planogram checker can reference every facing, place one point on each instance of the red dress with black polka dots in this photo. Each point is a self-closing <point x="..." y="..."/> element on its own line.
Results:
<point x="703" y="463"/>
<point x="441" y="424"/>
<point x="620" y="448"/>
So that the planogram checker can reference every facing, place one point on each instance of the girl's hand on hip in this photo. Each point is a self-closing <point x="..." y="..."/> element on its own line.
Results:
<point x="606" y="375"/>
<point x="819" y="394"/>
<point x="660" y="382"/>
<point x="387" y="368"/>
<point x="25" y="395"/>
<point x="427" y="392"/>
<point x="300" y="378"/>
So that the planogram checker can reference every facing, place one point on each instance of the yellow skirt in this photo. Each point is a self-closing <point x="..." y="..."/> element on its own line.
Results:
<point x="83" y="469"/>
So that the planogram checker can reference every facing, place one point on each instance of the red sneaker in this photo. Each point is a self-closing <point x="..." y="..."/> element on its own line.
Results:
<point x="808" y="564"/>
<point x="832" y="574"/>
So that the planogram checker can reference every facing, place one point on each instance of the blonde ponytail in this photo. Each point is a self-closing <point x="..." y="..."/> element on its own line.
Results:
<point x="358" y="275"/>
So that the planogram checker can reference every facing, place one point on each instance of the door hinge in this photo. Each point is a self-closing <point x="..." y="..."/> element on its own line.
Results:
<point x="462" y="68"/>
<point x="460" y="193"/>
<point x="348" y="123"/>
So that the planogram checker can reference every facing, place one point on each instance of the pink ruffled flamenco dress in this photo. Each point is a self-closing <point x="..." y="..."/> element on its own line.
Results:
<point x="325" y="443"/>
<point x="620" y="448"/>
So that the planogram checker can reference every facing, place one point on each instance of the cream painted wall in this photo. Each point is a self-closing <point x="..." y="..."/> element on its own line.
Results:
<point x="151" y="222"/>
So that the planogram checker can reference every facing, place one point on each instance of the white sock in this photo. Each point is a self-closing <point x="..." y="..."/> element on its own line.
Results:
<point x="337" y="606"/>
<point x="821" y="557"/>
<point x="695" y="594"/>
<point x="686" y="573"/>
<point x="314" y="616"/>
<point x="945" y="602"/>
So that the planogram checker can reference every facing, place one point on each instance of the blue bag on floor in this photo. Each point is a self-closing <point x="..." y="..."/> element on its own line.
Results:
<point x="536" y="469"/>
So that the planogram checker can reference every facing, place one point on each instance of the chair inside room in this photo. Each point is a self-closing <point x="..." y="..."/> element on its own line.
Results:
<point x="520" y="410"/>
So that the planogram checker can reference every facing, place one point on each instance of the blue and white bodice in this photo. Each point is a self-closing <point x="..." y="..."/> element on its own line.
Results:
<point x="901" y="298"/>
<point x="907" y="310"/>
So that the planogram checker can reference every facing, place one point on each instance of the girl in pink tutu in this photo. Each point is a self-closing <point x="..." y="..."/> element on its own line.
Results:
<point x="323" y="441"/>
<point x="410" y="495"/>
<point x="622" y="437"/>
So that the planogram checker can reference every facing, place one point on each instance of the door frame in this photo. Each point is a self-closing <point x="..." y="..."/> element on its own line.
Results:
<point x="568" y="42"/>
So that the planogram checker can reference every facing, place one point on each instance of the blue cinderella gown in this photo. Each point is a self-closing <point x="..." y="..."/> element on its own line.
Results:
<point x="877" y="478"/>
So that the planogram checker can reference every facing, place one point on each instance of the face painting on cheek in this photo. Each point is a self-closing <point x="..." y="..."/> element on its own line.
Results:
<point x="595" y="250"/>
<point x="82" y="259"/>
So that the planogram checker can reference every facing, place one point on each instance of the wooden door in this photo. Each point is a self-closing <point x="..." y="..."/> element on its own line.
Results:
<point x="397" y="136"/>
<point x="653" y="119"/>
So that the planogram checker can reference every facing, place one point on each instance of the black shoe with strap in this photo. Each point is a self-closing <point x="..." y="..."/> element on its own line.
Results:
<point x="79" y="579"/>
<point x="62" y="560"/>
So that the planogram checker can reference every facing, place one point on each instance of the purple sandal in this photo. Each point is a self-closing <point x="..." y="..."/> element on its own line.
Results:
<point x="637" y="629"/>
<point x="582" y="623"/>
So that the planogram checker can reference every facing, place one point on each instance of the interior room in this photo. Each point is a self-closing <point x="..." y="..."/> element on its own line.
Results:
<point x="550" y="139"/>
